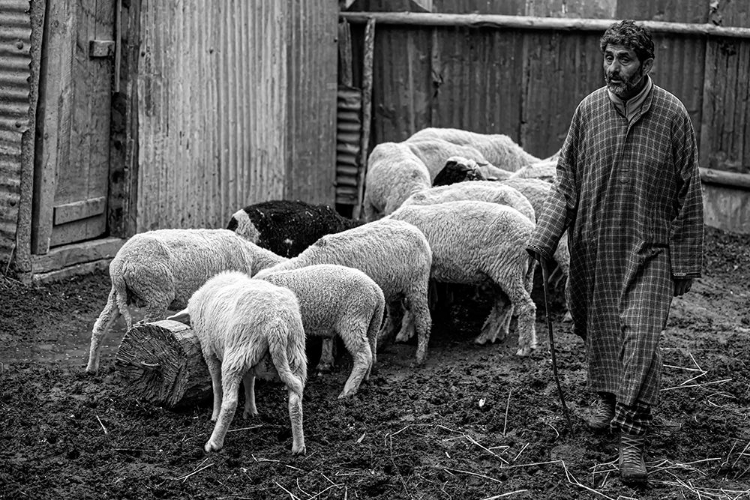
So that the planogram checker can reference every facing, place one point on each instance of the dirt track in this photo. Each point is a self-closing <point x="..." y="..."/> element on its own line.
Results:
<point x="475" y="422"/>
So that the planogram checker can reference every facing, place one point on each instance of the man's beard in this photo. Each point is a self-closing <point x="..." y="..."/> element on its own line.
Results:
<point x="624" y="86"/>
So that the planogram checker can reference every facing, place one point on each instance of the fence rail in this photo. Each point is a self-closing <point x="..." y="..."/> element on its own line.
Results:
<point x="534" y="23"/>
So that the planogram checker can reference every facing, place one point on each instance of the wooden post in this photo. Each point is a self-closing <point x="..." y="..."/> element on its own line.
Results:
<point x="366" y="113"/>
<point x="164" y="364"/>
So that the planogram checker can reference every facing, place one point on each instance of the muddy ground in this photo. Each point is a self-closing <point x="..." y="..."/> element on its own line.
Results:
<point x="476" y="422"/>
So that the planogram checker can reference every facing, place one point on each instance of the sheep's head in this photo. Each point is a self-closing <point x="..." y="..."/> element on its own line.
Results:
<point x="241" y="224"/>
<point x="458" y="169"/>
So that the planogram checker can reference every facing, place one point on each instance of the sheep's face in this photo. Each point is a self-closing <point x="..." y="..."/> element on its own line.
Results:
<point x="241" y="224"/>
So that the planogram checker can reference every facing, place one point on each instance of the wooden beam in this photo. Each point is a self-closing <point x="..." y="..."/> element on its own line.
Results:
<point x="533" y="23"/>
<point x="366" y="113"/>
<point x="56" y="93"/>
<point x="723" y="178"/>
<point x="75" y="254"/>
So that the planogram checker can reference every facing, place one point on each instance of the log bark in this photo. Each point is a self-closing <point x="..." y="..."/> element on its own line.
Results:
<point x="163" y="364"/>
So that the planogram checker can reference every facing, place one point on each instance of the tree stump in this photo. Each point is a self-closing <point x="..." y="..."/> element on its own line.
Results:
<point x="163" y="363"/>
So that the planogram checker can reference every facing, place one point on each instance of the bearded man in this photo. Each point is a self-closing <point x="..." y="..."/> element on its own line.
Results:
<point x="628" y="191"/>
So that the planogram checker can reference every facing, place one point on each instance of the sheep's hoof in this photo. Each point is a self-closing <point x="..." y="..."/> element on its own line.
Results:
<point x="567" y="318"/>
<point x="299" y="450"/>
<point x="324" y="368"/>
<point x="524" y="351"/>
<point x="249" y="414"/>
<point x="211" y="446"/>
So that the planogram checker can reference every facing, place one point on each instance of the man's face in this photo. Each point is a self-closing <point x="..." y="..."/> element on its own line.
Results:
<point x="623" y="71"/>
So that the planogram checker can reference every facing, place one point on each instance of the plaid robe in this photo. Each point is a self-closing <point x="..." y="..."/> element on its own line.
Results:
<point x="630" y="196"/>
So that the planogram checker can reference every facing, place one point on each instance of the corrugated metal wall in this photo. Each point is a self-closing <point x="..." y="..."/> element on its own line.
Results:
<point x="15" y="60"/>
<point x="527" y="83"/>
<point x="235" y="107"/>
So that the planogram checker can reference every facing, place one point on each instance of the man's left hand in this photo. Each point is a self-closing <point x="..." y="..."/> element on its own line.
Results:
<point x="682" y="285"/>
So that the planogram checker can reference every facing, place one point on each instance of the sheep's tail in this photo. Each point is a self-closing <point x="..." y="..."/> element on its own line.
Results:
<point x="120" y="291"/>
<point x="376" y="322"/>
<point x="287" y="349"/>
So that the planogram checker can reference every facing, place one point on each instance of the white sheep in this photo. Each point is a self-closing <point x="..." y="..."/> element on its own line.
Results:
<point x="544" y="170"/>
<point x="338" y="300"/>
<point x="393" y="174"/>
<point x="239" y="320"/>
<point x="435" y="153"/>
<point x="537" y="191"/>
<point x="394" y="254"/>
<point x="499" y="149"/>
<point x="161" y="269"/>
<point x="489" y="191"/>
<point x="475" y="242"/>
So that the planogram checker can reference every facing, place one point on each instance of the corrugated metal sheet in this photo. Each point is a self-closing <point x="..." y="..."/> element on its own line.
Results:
<point x="212" y="106"/>
<point x="312" y="85"/>
<point x="15" y="60"/>
<point x="348" y="135"/>
<point x="235" y="107"/>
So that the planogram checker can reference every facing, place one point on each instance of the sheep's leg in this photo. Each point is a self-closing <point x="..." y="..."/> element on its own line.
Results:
<point x="395" y="316"/>
<point x="230" y="381"/>
<point x="103" y="324"/>
<point x="524" y="307"/>
<point x="420" y="309"/>
<point x="326" y="362"/>
<point x="249" y="381"/>
<point x="357" y="344"/>
<point x="407" y="328"/>
<point x="214" y="369"/>
<point x="295" y="416"/>
<point x="498" y="321"/>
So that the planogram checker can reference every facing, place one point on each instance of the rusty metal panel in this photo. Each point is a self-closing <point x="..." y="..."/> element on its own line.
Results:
<point x="725" y="137"/>
<point x="312" y="86"/>
<point x="15" y="61"/>
<point x="212" y="109"/>
<point x="348" y="146"/>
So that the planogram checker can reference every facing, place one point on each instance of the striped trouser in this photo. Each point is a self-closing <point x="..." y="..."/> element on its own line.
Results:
<point x="634" y="420"/>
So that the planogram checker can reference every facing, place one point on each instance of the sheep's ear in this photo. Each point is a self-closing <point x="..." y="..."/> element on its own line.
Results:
<point x="182" y="316"/>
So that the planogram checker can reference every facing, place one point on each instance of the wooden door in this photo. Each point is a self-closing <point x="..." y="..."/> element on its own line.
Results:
<point x="73" y="120"/>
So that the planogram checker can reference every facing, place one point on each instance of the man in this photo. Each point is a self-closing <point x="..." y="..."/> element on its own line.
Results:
<point x="628" y="192"/>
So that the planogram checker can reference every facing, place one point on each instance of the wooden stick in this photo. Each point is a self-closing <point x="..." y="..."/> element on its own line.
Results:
<point x="533" y="23"/>
<point x="507" y="404"/>
<point x="731" y="179"/>
<point x="366" y="113"/>
<point x="100" y="423"/>
<point x="294" y="497"/>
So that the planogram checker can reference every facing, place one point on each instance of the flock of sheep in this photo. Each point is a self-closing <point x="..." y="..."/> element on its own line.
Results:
<point x="284" y="270"/>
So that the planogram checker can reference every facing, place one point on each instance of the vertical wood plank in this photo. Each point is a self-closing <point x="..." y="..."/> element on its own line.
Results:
<point x="366" y="113"/>
<point x="54" y="108"/>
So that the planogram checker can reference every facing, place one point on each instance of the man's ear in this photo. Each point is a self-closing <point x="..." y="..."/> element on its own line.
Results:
<point x="647" y="65"/>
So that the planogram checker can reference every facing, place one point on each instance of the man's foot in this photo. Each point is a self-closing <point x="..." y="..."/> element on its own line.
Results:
<point x="632" y="463"/>
<point x="604" y="412"/>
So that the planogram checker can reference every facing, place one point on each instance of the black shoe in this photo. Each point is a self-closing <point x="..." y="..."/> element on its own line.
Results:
<point x="604" y="412"/>
<point x="632" y="463"/>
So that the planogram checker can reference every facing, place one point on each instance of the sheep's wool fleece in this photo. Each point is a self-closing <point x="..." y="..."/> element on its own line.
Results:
<point x="631" y="194"/>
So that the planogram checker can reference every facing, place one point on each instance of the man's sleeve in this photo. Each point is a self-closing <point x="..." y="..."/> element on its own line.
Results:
<point x="686" y="236"/>
<point x="561" y="205"/>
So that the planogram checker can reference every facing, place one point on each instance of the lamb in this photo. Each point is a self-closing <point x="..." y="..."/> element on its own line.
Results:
<point x="499" y="149"/>
<point x="393" y="174"/>
<point x="338" y="300"/>
<point x="287" y="227"/>
<point x="161" y="269"/>
<point x="489" y="191"/>
<point x="475" y="242"/>
<point x="239" y="320"/>
<point x="394" y="254"/>
<point x="434" y="153"/>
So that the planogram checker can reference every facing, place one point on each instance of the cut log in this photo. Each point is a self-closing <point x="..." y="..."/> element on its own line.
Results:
<point x="163" y="364"/>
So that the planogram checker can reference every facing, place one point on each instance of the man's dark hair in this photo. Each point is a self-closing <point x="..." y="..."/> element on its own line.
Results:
<point x="627" y="33"/>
